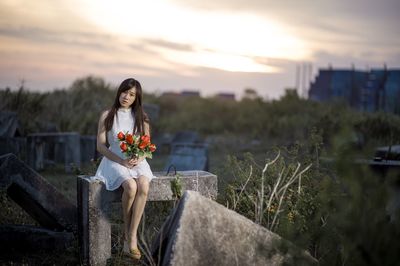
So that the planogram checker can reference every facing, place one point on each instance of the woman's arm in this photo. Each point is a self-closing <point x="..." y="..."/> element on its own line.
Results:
<point x="102" y="147"/>
<point x="147" y="129"/>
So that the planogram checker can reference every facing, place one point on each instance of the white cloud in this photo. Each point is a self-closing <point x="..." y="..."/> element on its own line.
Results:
<point x="190" y="43"/>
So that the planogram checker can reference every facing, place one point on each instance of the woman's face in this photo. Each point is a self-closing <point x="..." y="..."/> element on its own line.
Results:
<point x="127" y="98"/>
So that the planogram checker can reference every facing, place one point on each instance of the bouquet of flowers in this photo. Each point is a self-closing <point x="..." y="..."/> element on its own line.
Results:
<point x="136" y="146"/>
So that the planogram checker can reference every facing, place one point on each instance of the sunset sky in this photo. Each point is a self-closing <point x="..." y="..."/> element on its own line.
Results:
<point x="221" y="46"/>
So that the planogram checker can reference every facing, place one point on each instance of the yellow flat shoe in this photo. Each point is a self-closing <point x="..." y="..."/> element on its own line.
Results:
<point x="132" y="253"/>
<point x="135" y="253"/>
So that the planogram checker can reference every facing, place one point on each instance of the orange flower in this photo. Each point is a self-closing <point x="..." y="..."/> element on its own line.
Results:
<point x="123" y="147"/>
<point x="121" y="136"/>
<point x="129" y="138"/>
<point x="152" y="147"/>
<point x="143" y="145"/>
<point x="145" y="139"/>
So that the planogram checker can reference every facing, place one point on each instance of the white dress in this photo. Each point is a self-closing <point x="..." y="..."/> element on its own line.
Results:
<point x="114" y="174"/>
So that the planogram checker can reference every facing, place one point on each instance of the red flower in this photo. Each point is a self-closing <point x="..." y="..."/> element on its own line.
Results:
<point x="152" y="147"/>
<point x="121" y="136"/>
<point x="123" y="146"/>
<point x="129" y="138"/>
<point x="143" y="145"/>
<point x="145" y="138"/>
<point x="145" y="141"/>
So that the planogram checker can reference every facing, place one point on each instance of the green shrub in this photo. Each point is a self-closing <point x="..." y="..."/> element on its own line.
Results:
<point x="335" y="210"/>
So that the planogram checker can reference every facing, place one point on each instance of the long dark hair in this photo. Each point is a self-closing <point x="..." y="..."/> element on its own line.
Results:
<point x="140" y="116"/>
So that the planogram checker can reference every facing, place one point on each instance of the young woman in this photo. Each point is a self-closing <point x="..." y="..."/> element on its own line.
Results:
<point x="115" y="170"/>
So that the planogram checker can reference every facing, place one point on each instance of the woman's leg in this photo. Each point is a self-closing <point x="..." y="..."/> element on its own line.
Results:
<point x="128" y="196"/>
<point x="137" y="209"/>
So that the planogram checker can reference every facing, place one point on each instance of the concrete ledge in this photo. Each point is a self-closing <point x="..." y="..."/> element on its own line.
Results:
<point x="160" y="187"/>
<point x="94" y="227"/>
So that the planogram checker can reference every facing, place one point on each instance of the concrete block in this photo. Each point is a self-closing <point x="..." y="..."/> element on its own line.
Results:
<point x="94" y="200"/>
<point x="36" y="196"/>
<point x="201" y="181"/>
<point x="187" y="156"/>
<point x="52" y="147"/>
<point x="88" y="148"/>
<point x="203" y="232"/>
<point x="94" y="228"/>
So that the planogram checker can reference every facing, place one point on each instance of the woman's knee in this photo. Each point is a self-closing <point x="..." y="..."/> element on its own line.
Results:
<point x="143" y="186"/>
<point x="130" y="187"/>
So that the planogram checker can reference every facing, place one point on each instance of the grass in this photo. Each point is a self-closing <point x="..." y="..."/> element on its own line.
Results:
<point x="154" y="216"/>
<point x="155" y="213"/>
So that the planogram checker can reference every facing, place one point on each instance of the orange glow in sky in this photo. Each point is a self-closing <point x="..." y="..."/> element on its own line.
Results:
<point x="220" y="40"/>
<point x="223" y="45"/>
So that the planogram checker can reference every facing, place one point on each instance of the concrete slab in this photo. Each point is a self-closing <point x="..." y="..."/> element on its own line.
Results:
<point x="36" y="196"/>
<point x="203" y="232"/>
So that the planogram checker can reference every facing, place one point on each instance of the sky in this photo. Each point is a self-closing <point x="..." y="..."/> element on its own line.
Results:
<point x="209" y="46"/>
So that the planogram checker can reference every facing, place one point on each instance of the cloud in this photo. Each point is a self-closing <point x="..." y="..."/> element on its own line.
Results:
<point x="363" y="60"/>
<point x="67" y="38"/>
<point x="210" y="81"/>
<point x="169" y="45"/>
<point x="366" y="19"/>
<point x="50" y="43"/>
<point x="321" y="10"/>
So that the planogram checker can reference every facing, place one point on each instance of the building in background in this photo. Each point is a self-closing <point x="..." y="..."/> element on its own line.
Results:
<point x="190" y="93"/>
<point x="225" y="96"/>
<point x="183" y="94"/>
<point x="374" y="90"/>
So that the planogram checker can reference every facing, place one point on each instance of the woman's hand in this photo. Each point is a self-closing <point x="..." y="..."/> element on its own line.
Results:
<point x="136" y="160"/>
<point x="128" y="163"/>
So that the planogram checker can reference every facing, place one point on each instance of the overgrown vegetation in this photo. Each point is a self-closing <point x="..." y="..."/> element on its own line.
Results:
<point x="287" y="164"/>
<point x="282" y="121"/>
<point x="338" y="211"/>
